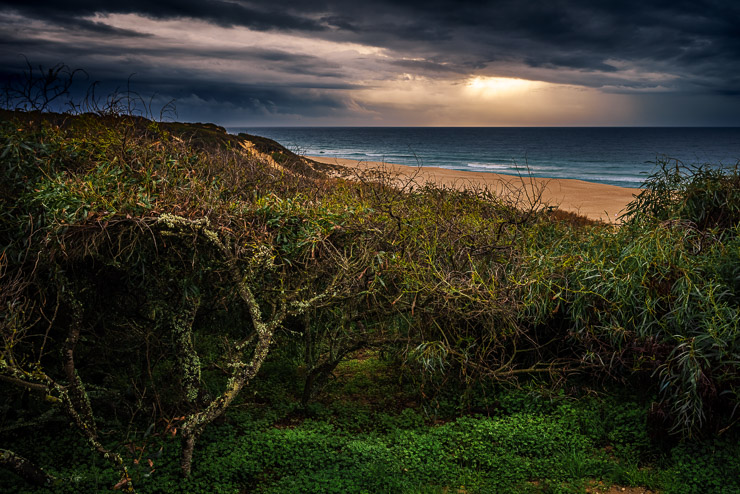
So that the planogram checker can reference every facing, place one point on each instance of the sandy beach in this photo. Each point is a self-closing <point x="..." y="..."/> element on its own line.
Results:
<point x="593" y="200"/>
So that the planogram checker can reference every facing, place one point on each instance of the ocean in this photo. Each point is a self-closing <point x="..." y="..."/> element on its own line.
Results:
<point x="622" y="156"/>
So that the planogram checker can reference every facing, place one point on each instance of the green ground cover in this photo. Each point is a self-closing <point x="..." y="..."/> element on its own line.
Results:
<point x="357" y="438"/>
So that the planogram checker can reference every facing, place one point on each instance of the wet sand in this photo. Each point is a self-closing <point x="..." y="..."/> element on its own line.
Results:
<point x="593" y="200"/>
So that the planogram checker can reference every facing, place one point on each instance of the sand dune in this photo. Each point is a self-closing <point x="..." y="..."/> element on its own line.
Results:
<point x="593" y="200"/>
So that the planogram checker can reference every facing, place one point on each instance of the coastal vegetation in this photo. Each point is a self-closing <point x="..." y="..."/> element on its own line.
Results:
<point x="185" y="310"/>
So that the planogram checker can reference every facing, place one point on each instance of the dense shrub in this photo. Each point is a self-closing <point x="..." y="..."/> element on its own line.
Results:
<point x="657" y="297"/>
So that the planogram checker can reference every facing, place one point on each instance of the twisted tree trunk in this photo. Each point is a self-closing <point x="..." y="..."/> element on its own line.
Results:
<point x="25" y="469"/>
<point x="197" y="422"/>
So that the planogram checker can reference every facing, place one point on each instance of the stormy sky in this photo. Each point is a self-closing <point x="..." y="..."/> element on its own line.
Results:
<point x="430" y="62"/>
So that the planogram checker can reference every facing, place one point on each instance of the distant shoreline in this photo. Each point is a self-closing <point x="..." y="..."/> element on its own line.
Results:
<point x="594" y="200"/>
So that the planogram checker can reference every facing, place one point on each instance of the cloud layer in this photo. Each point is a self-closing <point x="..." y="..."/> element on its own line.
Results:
<point x="399" y="63"/>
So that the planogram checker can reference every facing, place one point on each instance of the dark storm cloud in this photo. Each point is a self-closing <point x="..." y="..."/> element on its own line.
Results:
<point x="52" y="50"/>
<point x="683" y="47"/>
<point x="268" y="100"/>
<point x="70" y="23"/>
<point x="225" y="13"/>
<point x="245" y="104"/>
<point x="693" y="40"/>
<point x="426" y="66"/>
<point x="686" y="37"/>
<point x="199" y="94"/>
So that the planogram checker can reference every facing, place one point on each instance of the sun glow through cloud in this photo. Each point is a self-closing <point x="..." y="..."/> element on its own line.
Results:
<point x="499" y="86"/>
